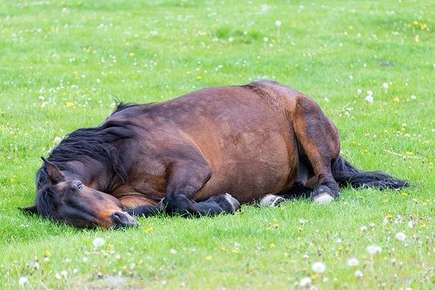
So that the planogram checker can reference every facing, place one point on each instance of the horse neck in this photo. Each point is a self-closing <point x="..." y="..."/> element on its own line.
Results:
<point x="91" y="172"/>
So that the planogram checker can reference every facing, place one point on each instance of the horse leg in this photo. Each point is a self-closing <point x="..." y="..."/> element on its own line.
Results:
<point x="318" y="138"/>
<point x="187" y="177"/>
<point x="137" y="205"/>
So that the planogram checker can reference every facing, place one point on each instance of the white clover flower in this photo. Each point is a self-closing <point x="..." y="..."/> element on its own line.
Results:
<point x="385" y="86"/>
<point x="359" y="274"/>
<point x="302" y="221"/>
<point x="318" y="267"/>
<point x="400" y="236"/>
<point x="352" y="262"/>
<point x="410" y="224"/>
<point x="338" y="241"/>
<point x="359" y="91"/>
<point x="23" y="281"/>
<point x="305" y="282"/>
<point x="413" y="97"/>
<point x="173" y="251"/>
<point x="278" y="23"/>
<point x="98" y="242"/>
<point x="363" y="228"/>
<point x="374" y="249"/>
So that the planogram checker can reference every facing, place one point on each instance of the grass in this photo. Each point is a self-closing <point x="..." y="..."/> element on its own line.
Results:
<point x="62" y="64"/>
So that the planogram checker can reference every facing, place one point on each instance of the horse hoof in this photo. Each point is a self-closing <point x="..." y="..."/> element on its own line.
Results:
<point x="271" y="200"/>
<point x="235" y="204"/>
<point x="323" y="198"/>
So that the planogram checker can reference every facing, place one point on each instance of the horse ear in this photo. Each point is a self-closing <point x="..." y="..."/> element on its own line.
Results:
<point x="29" y="210"/>
<point x="54" y="173"/>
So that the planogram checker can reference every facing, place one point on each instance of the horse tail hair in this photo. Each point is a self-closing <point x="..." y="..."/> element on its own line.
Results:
<point x="345" y="174"/>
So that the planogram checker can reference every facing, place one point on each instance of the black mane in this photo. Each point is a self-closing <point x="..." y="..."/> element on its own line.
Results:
<point x="95" y="143"/>
<point x="120" y="106"/>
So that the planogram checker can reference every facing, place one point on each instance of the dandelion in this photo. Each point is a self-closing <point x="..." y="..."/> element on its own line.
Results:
<point x="264" y="8"/>
<point x="374" y="249"/>
<point x="278" y="23"/>
<point x="400" y="236"/>
<point x="318" y="267"/>
<point x="34" y="265"/>
<point x="369" y="97"/>
<point x="305" y="282"/>
<point x="359" y="274"/>
<point x="23" y="281"/>
<point x="352" y="262"/>
<point x="98" y="242"/>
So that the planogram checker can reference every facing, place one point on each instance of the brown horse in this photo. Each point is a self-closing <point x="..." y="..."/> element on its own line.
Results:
<point x="186" y="155"/>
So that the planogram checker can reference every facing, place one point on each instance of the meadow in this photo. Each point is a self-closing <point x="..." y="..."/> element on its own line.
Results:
<point x="369" y="64"/>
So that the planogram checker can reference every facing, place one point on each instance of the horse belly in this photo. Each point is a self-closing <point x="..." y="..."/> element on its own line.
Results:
<point x="258" y="163"/>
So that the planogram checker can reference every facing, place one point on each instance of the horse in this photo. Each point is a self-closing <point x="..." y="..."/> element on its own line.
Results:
<point x="201" y="154"/>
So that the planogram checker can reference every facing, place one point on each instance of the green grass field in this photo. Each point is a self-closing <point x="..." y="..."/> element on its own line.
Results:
<point x="63" y="63"/>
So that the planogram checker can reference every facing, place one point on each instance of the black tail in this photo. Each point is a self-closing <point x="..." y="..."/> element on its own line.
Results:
<point x="345" y="174"/>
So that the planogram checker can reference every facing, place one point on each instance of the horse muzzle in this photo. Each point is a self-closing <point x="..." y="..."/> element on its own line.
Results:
<point x="123" y="220"/>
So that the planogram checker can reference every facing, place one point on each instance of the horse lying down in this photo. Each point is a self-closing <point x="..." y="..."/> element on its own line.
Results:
<point x="186" y="155"/>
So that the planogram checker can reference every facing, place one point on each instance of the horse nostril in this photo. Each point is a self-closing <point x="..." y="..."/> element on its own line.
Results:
<point x="123" y="220"/>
